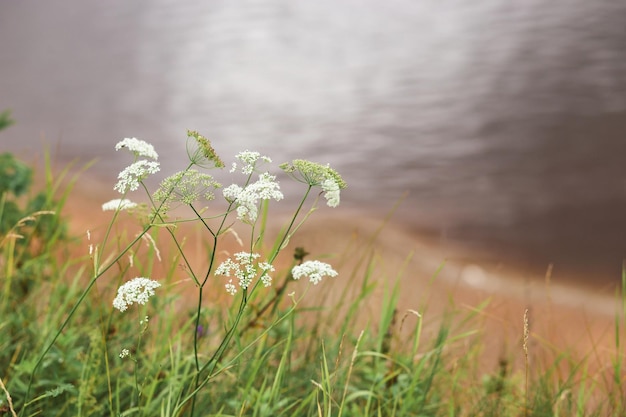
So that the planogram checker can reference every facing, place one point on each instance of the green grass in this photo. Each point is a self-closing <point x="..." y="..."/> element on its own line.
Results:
<point x="266" y="351"/>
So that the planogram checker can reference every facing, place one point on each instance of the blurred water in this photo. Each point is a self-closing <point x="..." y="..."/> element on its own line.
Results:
<point x="506" y="121"/>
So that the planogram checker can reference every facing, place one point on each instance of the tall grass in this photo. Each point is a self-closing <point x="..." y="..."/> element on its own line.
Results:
<point x="193" y="349"/>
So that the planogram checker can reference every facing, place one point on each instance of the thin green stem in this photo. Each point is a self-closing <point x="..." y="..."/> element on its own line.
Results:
<point x="97" y="274"/>
<point x="279" y="247"/>
<point x="219" y="352"/>
<point x="212" y="363"/>
<point x="75" y="307"/>
<point x="200" y="294"/>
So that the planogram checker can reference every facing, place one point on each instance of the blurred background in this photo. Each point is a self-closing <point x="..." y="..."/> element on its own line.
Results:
<point x="504" y="121"/>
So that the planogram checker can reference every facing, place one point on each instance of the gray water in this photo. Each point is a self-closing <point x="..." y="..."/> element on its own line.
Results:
<point x="504" y="120"/>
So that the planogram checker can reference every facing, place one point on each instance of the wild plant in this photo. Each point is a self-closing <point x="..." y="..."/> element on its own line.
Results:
<point x="205" y="320"/>
<point x="195" y="196"/>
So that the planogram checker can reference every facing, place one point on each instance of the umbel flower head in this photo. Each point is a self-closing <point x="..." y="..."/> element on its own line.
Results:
<point x="131" y="176"/>
<point x="245" y="270"/>
<point x="187" y="187"/>
<point x="317" y="175"/>
<point x="249" y="160"/>
<point x="201" y="152"/>
<point x="118" y="205"/>
<point x="247" y="198"/>
<point x="331" y="192"/>
<point x="139" y="147"/>
<point x="136" y="291"/>
<point x="315" y="270"/>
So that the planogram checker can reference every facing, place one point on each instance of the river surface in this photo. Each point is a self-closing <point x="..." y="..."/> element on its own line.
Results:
<point x="505" y="121"/>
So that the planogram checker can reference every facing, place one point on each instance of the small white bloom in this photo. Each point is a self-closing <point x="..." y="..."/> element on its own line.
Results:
<point x="266" y="266"/>
<point x="315" y="270"/>
<point x="245" y="270"/>
<point x="132" y="175"/>
<point x="266" y="188"/>
<point x="230" y="288"/>
<point x="247" y="199"/>
<point x="266" y="278"/>
<point x="246" y="257"/>
<point x="124" y="353"/>
<point x="225" y="267"/>
<point x="136" y="291"/>
<point x="118" y="205"/>
<point x="231" y="193"/>
<point x="138" y="147"/>
<point x="249" y="160"/>
<point x="331" y="192"/>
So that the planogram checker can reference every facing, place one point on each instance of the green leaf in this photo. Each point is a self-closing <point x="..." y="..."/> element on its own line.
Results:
<point x="15" y="176"/>
<point x="5" y="119"/>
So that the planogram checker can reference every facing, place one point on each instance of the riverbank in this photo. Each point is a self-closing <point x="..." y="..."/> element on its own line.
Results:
<point x="432" y="280"/>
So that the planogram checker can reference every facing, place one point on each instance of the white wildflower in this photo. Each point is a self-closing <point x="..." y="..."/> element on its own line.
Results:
<point x="266" y="187"/>
<point x="230" y="288"/>
<point x="265" y="277"/>
<point x="138" y="147"/>
<point x="118" y="205"/>
<point x="135" y="291"/>
<point x="132" y="175"/>
<point x="315" y="270"/>
<point x="331" y="192"/>
<point x="314" y="175"/>
<point x="266" y="280"/>
<point x="249" y="160"/>
<point x="246" y="257"/>
<point x="247" y="199"/>
<point x="244" y="269"/>
<point x="226" y="267"/>
<point x="231" y="193"/>
<point x="124" y="353"/>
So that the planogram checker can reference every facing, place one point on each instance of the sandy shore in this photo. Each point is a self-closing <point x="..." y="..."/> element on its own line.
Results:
<point x="563" y="317"/>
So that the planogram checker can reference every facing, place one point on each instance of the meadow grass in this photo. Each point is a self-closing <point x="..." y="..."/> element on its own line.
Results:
<point x="291" y="349"/>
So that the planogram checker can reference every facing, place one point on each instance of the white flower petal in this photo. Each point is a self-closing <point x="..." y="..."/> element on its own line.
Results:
<point x="136" y="291"/>
<point x="138" y="147"/>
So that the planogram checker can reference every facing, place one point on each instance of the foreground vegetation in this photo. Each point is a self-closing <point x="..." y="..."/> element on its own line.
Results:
<point x="194" y="340"/>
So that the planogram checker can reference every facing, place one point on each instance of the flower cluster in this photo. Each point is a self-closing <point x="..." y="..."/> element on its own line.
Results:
<point x="315" y="270"/>
<point x="191" y="185"/>
<point x="187" y="187"/>
<point x="315" y="174"/>
<point x="245" y="270"/>
<point x="331" y="192"/>
<point x="247" y="198"/>
<point x="201" y="152"/>
<point x="139" y="147"/>
<point x="136" y="291"/>
<point x="118" y="205"/>
<point x="131" y="176"/>
<point x="249" y="160"/>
